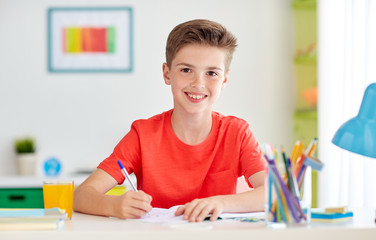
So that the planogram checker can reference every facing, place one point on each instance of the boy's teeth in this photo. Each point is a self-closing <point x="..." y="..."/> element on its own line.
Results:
<point x="195" y="96"/>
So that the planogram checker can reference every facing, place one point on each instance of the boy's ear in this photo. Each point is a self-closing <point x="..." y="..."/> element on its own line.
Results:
<point x="166" y="74"/>
<point x="225" y="80"/>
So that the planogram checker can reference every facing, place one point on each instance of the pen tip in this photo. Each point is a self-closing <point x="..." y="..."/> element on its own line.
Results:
<point x="121" y="165"/>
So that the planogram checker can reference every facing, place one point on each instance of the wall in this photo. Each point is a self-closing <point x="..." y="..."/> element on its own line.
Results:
<point x="79" y="118"/>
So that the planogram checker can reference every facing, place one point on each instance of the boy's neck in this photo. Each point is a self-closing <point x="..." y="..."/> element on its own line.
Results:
<point x="191" y="129"/>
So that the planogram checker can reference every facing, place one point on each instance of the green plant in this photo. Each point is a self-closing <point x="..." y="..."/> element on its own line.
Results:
<point x="24" y="145"/>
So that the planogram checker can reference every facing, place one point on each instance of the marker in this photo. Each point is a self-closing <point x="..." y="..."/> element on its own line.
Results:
<point x="127" y="176"/>
<point x="289" y="179"/>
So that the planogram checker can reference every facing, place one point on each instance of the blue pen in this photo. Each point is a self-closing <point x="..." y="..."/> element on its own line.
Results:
<point x="127" y="176"/>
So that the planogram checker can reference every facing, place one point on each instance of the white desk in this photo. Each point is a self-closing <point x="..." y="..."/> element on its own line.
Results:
<point x="84" y="226"/>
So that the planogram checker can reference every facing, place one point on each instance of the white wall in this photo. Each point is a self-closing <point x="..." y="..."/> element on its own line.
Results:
<point x="79" y="118"/>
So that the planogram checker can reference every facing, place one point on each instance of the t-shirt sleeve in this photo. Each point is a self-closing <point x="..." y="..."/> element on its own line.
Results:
<point x="251" y="159"/>
<point x="128" y="152"/>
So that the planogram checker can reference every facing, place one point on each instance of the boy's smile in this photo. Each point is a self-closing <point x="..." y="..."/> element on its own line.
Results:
<point x="197" y="76"/>
<point x="196" y="97"/>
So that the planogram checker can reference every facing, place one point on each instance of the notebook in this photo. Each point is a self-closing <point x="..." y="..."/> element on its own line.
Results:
<point x="31" y="219"/>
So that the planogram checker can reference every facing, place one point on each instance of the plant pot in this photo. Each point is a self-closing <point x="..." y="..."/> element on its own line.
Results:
<point x="26" y="163"/>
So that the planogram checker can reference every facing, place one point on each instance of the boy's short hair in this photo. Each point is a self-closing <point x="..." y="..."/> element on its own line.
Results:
<point x="203" y="32"/>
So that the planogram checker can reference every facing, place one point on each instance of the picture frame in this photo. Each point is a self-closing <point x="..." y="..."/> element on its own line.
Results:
<point x="95" y="39"/>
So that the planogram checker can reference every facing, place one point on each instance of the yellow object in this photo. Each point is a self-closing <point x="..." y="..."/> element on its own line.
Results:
<point x="118" y="190"/>
<point x="59" y="194"/>
<point x="296" y="152"/>
<point x="336" y="209"/>
<point x="311" y="147"/>
<point x="74" y="39"/>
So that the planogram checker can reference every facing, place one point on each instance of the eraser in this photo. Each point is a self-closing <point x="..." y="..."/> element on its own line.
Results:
<point x="314" y="163"/>
<point x="336" y="209"/>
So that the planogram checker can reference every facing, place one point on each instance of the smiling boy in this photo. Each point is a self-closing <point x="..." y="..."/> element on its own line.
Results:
<point x="189" y="155"/>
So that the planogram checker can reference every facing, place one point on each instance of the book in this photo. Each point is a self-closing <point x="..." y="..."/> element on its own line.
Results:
<point x="31" y="224"/>
<point x="32" y="212"/>
<point x="320" y="215"/>
<point x="32" y="219"/>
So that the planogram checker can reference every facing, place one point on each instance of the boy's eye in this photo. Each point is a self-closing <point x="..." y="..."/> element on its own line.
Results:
<point x="211" y="73"/>
<point x="186" y="70"/>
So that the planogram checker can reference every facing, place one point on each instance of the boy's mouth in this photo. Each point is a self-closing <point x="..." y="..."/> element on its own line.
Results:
<point x="196" y="96"/>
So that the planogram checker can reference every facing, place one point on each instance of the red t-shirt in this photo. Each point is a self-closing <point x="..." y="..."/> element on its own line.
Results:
<point x="175" y="173"/>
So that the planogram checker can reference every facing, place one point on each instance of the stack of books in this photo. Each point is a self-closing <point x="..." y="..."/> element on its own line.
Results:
<point x="32" y="219"/>
<point x="331" y="215"/>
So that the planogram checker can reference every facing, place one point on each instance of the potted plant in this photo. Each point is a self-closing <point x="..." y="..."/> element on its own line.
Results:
<point x="25" y="155"/>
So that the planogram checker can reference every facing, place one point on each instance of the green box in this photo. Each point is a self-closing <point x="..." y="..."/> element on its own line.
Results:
<point x="21" y="198"/>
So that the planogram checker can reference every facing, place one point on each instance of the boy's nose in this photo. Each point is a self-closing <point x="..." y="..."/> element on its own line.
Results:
<point x="198" y="82"/>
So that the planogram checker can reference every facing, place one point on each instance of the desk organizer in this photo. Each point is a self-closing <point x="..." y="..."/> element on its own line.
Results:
<point x="288" y="184"/>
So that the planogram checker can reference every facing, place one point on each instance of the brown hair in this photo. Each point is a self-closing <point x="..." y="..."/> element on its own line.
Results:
<point x="203" y="32"/>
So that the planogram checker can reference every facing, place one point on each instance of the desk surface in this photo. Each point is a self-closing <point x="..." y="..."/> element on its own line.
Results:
<point x="84" y="226"/>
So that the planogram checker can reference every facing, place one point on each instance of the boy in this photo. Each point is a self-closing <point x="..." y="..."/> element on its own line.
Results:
<point x="190" y="155"/>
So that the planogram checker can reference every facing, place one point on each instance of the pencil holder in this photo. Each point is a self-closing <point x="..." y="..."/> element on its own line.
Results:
<point x="288" y="193"/>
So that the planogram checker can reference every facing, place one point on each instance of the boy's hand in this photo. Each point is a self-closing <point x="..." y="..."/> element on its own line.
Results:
<point x="199" y="209"/>
<point x="132" y="205"/>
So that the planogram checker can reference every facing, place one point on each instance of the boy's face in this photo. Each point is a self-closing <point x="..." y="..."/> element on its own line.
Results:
<point x="197" y="76"/>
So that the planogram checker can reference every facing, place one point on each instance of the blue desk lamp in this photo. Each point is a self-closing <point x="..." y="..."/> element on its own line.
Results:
<point x="358" y="135"/>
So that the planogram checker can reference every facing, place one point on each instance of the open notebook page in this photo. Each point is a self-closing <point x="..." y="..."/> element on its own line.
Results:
<point x="162" y="215"/>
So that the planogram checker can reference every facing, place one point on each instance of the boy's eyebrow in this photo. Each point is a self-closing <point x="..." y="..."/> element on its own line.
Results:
<point x="192" y="66"/>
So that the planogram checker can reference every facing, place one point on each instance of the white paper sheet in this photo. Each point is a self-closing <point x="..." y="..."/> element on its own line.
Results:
<point x="162" y="215"/>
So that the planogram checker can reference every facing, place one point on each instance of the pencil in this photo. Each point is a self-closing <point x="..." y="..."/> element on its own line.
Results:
<point x="294" y="151"/>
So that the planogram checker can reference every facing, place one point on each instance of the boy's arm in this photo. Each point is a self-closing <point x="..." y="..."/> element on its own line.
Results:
<point x="250" y="201"/>
<point x="90" y="197"/>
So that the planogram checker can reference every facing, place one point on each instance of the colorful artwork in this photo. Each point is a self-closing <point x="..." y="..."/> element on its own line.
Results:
<point x="90" y="39"/>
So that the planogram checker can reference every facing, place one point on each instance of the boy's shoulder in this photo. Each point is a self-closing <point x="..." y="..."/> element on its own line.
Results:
<point x="156" y="119"/>
<point x="228" y="118"/>
<point x="230" y="122"/>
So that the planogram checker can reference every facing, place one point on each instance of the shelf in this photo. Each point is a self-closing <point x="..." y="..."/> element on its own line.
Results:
<point x="306" y="60"/>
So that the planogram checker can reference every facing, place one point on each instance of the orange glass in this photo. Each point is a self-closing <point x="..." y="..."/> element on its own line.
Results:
<point x="59" y="194"/>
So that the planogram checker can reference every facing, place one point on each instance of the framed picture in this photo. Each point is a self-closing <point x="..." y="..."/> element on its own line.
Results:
<point x="90" y="39"/>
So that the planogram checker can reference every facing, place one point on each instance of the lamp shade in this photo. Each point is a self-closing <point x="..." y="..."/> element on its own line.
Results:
<point x="358" y="134"/>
